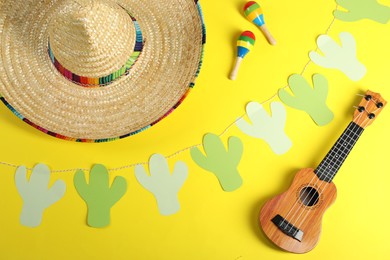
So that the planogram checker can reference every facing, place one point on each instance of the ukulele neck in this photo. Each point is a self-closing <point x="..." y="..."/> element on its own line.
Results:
<point x="332" y="162"/>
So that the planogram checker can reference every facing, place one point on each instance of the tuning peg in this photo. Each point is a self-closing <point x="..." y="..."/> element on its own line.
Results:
<point x="371" y="116"/>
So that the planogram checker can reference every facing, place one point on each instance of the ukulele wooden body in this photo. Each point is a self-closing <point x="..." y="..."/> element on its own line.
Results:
<point x="291" y="206"/>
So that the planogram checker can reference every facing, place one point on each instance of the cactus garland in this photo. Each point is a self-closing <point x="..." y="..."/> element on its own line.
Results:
<point x="98" y="195"/>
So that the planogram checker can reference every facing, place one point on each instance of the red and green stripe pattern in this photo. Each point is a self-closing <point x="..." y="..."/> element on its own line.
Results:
<point x="253" y="13"/>
<point x="245" y="43"/>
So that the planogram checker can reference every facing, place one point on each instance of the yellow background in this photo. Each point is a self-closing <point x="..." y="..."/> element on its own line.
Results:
<point x="213" y="224"/>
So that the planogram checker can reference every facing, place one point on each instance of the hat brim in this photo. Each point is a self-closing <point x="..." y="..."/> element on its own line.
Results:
<point x="162" y="77"/>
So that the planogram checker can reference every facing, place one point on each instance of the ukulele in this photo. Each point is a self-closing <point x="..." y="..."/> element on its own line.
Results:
<point x="292" y="220"/>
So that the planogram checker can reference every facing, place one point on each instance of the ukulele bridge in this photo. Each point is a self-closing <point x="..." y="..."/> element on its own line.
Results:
<point x="287" y="228"/>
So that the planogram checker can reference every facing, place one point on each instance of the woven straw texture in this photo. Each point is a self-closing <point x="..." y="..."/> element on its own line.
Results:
<point x="93" y="39"/>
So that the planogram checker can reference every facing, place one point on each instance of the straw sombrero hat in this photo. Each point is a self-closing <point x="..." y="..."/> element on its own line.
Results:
<point x="98" y="70"/>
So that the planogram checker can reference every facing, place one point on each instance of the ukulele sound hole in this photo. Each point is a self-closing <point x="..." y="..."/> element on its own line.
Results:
<point x="309" y="196"/>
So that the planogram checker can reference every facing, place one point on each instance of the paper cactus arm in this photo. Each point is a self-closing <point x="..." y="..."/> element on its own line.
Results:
<point x="143" y="177"/>
<point x="98" y="195"/>
<point x="81" y="185"/>
<point x="35" y="193"/>
<point x="21" y="179"/>
<point x="362" y="9"/>
<point x="223" y="163"/>
<point x="279" y="113"/>
<point x="117" y="190"/>
<point x="320" y="84"/>
<point x="56" y="192"/>
<point x="310" y="100"/>
<point x="339" y="57"/>
<point x="180" y="173"/>
<point x="235" y="150"/>
<point x="200" y="159"/>
<point x="270" y="129"/>
<point x="162" y="184"/>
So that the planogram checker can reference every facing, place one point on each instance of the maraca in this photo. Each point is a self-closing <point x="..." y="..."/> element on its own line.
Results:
<point x="253" y="13"/>
<point x="245" y="43"/>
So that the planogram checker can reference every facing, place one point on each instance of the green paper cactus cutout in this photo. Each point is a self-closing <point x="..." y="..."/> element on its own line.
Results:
<point x="362" y="9"/>
<point x="220" y="161"/>
<point x="35" y="193"/>
<point x="162" y="184"/>
<point x="311" y="100"/>
<point x="98" y="195"/>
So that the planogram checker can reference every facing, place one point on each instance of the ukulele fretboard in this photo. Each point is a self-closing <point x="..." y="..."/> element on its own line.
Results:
<point x="339" y="152"/>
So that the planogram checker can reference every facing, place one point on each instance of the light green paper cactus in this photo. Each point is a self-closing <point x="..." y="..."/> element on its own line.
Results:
<point x="342" y="57"/>
<point x="162" y="184"/>
<point x="267" y="127"/>
<point x="362" y="9"/>
<point x="98" y="195"/>
<point x="311" y="100"/>
<point x="220" y="161"/>
<point x="35" y="193"/>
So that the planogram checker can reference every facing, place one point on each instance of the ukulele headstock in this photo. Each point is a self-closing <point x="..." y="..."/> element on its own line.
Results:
<point x="369" y="108"/>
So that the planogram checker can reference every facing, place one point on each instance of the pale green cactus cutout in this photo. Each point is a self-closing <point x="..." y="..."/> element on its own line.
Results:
<point x="35" y="193"/>
<point x="339" y="57"/>
<point x="266" y="127"/>
<point x="362" y="9"/>
<point x="220" y="161"/>
<point x="98" y="195"/>
<point x="162" y="184"/>
<point x="311" y="100"/>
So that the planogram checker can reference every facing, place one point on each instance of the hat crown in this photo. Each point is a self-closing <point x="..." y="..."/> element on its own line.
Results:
<point x="86" y="35"/>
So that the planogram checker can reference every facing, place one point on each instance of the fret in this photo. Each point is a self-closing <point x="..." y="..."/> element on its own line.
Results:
<point x="332" y="162"/>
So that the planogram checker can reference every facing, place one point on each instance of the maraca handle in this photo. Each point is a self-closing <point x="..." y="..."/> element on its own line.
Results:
<point x="268" y="35"/>
<point x="234" y="73"/>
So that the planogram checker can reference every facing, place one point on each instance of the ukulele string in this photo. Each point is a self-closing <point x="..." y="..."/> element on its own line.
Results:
<point x="295" y="218"/>
<point x="310" y="184"/>
<point x="298" y="198"/>
<point x="324" y="173"/>
<point x="322" y="168"/>
<point x="296" y="202"/>
<point x="293" y="206"/>
<point x="324" y="182"/>
<point x="364" y="124"/>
